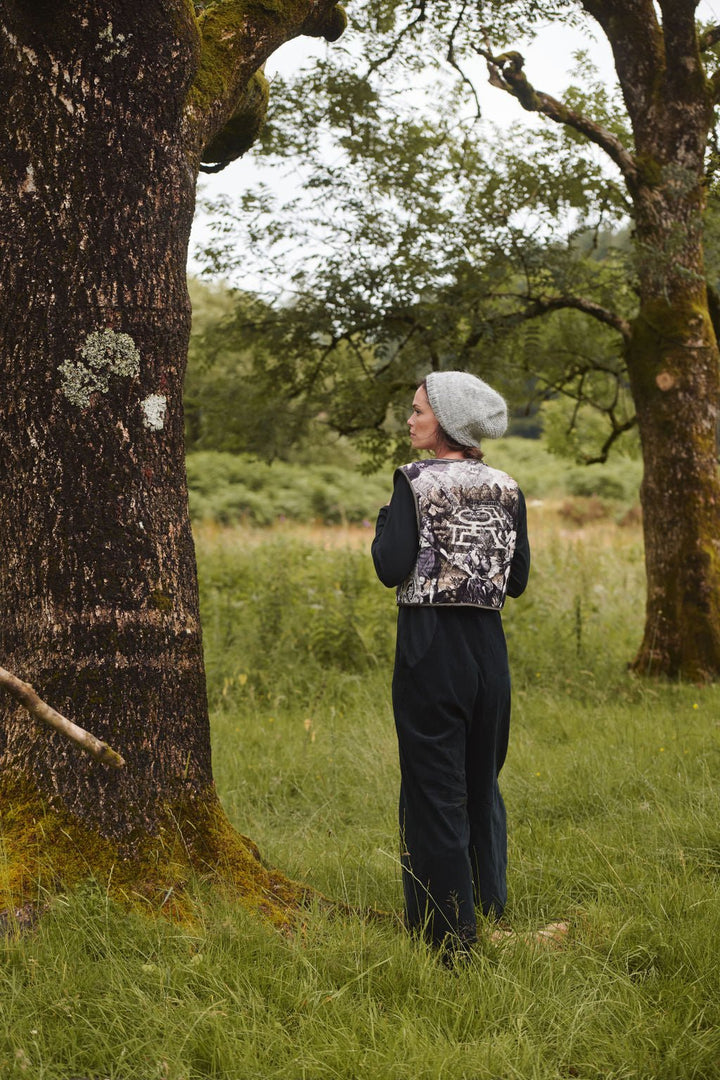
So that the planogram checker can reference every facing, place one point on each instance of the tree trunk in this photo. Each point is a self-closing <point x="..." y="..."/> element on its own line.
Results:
<point x="102" y="137"/>
<point x="673" y="353"/>
<point x="675" y="377"/>
<point x="98" y="585"/>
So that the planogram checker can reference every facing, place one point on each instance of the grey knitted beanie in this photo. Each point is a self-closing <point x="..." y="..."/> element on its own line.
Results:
<point x="466" y="407"/>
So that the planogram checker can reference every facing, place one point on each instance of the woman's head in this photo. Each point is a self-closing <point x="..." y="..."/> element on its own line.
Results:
<point x="466" y="408"/>
<point x="426" y="432"/>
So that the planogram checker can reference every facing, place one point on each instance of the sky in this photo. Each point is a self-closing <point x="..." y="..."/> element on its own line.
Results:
<point x="548" y="62"/>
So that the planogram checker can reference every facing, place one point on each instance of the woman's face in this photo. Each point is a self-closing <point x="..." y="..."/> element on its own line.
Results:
<point x="423" y="423"/>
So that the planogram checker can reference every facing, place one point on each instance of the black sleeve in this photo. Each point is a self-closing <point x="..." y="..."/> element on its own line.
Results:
<point x="395" y="547"/>
<point x="520" y="566"/>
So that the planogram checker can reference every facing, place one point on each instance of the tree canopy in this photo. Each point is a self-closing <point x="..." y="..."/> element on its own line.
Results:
<point x="434" y="243"/>
<point x="425" y="237"/>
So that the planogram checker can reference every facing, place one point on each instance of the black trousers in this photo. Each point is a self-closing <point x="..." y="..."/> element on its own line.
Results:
<point x="451" y="699"/>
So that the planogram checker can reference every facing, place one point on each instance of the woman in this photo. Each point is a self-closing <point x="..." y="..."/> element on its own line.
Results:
<point x="453" y="539"/>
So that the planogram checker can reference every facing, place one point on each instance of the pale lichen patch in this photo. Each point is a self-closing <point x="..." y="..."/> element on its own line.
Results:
<point x="112" y="44"/>
<point x="154" y="408"/>
<point x="28" y="184"/>
<point x="103" y="354"/>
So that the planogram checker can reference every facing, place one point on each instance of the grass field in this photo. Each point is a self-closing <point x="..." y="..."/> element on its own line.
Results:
<point x="614" y="812"/>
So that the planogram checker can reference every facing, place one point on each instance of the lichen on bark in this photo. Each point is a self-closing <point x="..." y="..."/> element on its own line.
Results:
<point x="103" y="353"/>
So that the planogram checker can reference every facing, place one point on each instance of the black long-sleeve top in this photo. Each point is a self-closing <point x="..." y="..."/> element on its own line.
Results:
<point x="395" y="547"/>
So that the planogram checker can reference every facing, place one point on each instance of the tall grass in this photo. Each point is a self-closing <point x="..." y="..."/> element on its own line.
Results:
<point x="613" y="807"/>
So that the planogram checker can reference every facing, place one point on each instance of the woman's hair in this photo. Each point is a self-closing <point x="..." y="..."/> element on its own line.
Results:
<point x="472" y="452"/>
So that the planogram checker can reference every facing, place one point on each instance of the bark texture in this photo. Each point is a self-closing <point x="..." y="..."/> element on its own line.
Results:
<point x="672" y="355"/>
<point x="107" y="108"/>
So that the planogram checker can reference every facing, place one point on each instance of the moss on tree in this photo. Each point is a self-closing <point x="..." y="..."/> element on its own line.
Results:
<point x="243" y="127"/>
<point x="44" y="849"/>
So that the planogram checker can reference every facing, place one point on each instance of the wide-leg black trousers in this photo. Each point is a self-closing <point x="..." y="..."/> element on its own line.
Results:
<point x="451" y="699"/>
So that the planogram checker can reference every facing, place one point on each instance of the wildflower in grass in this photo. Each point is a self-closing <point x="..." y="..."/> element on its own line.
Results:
<point x="308" y="725"/>
<point x="695" y="705"/>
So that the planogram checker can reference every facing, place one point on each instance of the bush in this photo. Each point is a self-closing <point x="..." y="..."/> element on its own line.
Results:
<point x="230" y="488"/>
<point x="278" y="616"/>
<point x="582" y="511"/>
<point x="618" y="480"/>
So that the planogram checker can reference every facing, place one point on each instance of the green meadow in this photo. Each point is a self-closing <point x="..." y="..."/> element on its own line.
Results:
<point x="613" y="806"/>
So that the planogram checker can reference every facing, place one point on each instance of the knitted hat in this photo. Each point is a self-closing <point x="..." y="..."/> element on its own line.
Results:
<point x="467" y="409"/>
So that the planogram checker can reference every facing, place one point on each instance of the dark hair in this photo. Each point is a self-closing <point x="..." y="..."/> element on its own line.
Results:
<point x="472" y="452"/>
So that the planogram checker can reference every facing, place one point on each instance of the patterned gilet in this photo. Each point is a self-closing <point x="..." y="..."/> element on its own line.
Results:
<point x="467" y="521"/>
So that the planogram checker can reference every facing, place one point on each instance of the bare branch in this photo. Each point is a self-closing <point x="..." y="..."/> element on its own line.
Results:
<point x="560" y="386"/>
<point x="454" y="64"/>
<point x="505" y="72"/>
<point x="542" y="305"/>
<point x="38" y="709"/>
<point x="407" y="29"/>
<point x="616" y="432"/>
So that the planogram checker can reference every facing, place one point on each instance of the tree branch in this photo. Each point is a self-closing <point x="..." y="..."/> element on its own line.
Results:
<point x="236" y="39"/>
<point x="38" y="709"/>
<point x="407" y="29"/>
<point x="242" y="129"/>
<point x="559" y="386"/>
<point x="451" y="59"/>
<point x="615" y="433"/>
<point x="506" y="73"/>
<point x="537" y="306"/>
<point x="541" y="305"/>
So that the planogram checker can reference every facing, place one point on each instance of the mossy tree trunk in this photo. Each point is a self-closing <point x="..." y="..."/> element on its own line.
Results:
<point x="672" y="353"/>
<point x="108" y="108"/>
<point x="672" y="361"/>
<point x="670" y="347"/>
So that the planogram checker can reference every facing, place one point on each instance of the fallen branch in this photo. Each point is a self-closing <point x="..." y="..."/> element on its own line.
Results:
<point x="37" y="708"/>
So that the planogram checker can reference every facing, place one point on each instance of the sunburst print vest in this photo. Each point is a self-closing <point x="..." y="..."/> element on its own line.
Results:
<point x="467" y="522"/>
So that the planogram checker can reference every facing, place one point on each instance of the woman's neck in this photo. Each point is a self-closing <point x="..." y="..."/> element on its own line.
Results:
<point x="442" y="453"/>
